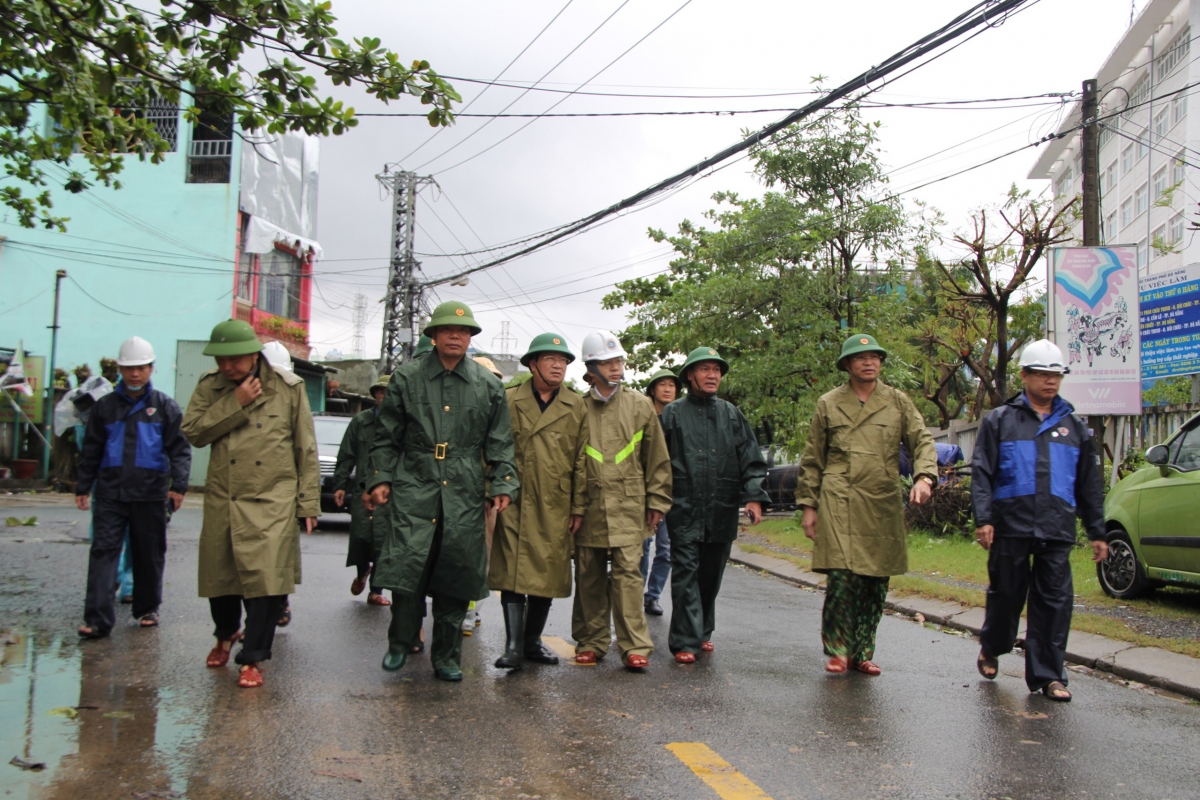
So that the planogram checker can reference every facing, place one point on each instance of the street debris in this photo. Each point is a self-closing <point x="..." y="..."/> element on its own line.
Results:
<point x="64" y="711"/>
<point x="32" y="766"/>
<point x="346" y="776"/>
<point x="17" y="522"/>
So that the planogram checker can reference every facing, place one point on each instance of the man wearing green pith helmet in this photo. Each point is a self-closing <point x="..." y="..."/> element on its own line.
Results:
<point x="443" y="448"/>
<point x="849" y="487"/>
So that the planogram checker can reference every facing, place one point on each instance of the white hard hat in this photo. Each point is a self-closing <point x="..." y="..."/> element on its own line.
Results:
<point x="277" y="355"/>
<point x="135" y="352"/>
<point x="1043" y="355"/>
<point x="601" y="346"/>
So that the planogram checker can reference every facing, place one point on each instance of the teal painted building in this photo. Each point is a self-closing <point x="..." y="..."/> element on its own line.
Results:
<point x="218" y="229"/>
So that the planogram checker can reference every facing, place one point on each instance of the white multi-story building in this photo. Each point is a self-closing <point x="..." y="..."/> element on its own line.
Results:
<point x="1148" y="142"/>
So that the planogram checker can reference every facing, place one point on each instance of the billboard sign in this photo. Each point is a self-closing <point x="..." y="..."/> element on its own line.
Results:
<point x="1170" y="323"/>
<point x="1096" y="324"/>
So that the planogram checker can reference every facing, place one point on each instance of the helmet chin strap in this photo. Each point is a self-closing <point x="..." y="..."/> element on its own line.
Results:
<point x="591" y="368"/>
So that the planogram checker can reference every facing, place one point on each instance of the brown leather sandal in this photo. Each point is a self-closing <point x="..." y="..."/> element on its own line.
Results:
<point x="635" y="661"/>
<point x="377" y="600"/>
<point x="868" y="668"/>
<point x="586" y="657"/>
<point x="219" y="656"/>
<point x="988" y="667"/>
<point x="1057" y="692"/>
<point x="360" y="583"/>
<point x="837" y="665"/>
<point x="707" y="647"/>
<point x="684" y="657"/>
<point x="250" y="676"/>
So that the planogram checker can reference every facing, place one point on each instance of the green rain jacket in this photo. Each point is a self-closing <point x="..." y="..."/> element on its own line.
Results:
<point x="716" y="467"/>
<point x="438" y="432"/>
<point x="366" y="538"/>
<point x="628" y="470"/>
<point x="850" y="473"/>
<point x="263" y="475"/>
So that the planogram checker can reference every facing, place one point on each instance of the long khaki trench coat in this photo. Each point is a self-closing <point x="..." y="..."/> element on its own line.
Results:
<point x="850" y="473"/>
<point x="532" y="548"/>
<point x="628" y="470"/>
<point x="443" y="441"/>
<point x="262" y="476"/>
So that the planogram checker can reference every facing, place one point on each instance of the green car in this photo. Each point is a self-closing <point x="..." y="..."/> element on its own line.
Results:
<point x="1153" y="520"/>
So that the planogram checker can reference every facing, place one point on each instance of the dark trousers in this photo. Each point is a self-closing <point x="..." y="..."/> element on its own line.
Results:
<point x="147" y="527"/>
<point x="262" y="613"/>
<point x="696" y="572"/>
<point x="445" y="649"/>
<point x="1020" y="568"/>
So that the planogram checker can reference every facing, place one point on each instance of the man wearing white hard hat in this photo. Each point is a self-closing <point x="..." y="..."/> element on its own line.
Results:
<point x="135" y="458"/>
<point x="628" y="493"/>
<point x="1033" y="472"/>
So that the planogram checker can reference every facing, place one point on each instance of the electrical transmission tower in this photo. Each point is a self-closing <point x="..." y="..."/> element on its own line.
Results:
<point x="402" y="303"/>
<point x="359" y="320"/>
<point x="508" y="342"/>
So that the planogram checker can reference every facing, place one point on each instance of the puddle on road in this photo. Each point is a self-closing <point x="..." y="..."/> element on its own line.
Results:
<point x="97" y="731"/>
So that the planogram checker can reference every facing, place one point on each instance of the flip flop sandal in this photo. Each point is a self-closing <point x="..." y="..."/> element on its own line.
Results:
<point x="868" y="668"/>
<point x="707" y="647"/>
<point x="586" y="657"/>
<point x="148" y="620"/>
<point x="1056" y="692"/>
<point x="219" y="656"/>
<point x="684" y="657"/>
<point x="86" y="632"/>
<point x="250" y="677"/>
<point x="837" y="665"/>
<point x="377" y="600"/>
<point x="984" y="664"/>
<point x="636" y="661"/>
<point x="285" y="617"/>
<point x="360" y="583"/>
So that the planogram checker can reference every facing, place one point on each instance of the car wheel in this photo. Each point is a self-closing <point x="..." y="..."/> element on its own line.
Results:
<point x="1121" y="574"/>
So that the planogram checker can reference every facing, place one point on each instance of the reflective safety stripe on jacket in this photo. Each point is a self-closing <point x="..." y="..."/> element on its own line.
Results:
<point x="622" y="454"/>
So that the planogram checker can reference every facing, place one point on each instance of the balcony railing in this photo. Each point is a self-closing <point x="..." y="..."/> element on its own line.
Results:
<point x="210" y="160"/>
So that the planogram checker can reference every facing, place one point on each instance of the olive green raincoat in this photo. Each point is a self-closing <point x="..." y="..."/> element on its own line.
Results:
<point x="366" y="538"/>
<point x="262" y="476"/>
<point x="532" y="548"/>
<point x="850" y="473"/>
<point x="716" y="467"/>
<point x="437" y="429"/>
<point x="628" y="470"/>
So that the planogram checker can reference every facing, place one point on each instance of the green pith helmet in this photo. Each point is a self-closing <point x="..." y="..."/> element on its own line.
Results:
<point x="233" y="337"/>
<point x="453" y="313"/>
<point x="661" y="375"/>
<point x="859" y="343"/>
<point x="547" y="343"/>
<point x="703" y="354"/>
<point x="424" y="345"/>
<point x="380" y="383"/>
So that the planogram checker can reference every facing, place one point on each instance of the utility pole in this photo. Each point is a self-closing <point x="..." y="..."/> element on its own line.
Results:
<point x="359" y="320"/>
<point x="508" y="342"/>
<point x="1091" y="209"/>
<point x="48" y="404"/>
<point x="403" y="299"/>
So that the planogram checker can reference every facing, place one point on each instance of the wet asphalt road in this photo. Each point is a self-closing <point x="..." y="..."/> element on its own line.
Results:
<point x="329" y="723"/>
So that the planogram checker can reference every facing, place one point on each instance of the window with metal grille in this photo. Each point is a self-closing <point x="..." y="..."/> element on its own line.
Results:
<point x="279" y="284"/>
<point x="164" y="116"/>
<point x="1177" y="49"/>
<point x="210" y="156"/>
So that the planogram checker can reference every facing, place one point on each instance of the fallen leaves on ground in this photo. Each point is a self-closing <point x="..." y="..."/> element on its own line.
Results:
<point x="64" y="711"/>
<point x="17" y="522"/>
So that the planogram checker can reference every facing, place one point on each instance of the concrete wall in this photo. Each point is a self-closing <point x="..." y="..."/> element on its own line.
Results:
<point x="156" y="258"/>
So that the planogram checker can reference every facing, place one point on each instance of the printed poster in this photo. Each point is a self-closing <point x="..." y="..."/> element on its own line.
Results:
<point x="32" y="404"/>
<point x="1096" y="324"/>
<point x="1170" y="323"/>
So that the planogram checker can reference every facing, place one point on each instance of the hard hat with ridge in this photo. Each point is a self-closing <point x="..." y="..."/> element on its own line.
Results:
<point x="380" y="383"/>
<point x="547" y="343"/>
<point x="424" y="345"/>
<point x="277" y="355"/>
<point x="233" y="337"/>
<point x="661" y="375"/>
<point x="602" y="346"/>
<point x="703" y="354"/>
<point x="859" y="343"/>
<point x="1044" y="356"/>
<point x="453" y="313"/>
<point x="135" y="352"/>
<point x="489" y="365"/>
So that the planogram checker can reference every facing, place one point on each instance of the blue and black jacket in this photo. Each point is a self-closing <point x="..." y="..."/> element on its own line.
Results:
<point x="1030" y="477"/>
<point x="133" y="450"/>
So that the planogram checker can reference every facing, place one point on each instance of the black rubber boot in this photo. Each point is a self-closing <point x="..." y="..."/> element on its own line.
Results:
<point x="514" y="626"/>
<point x="535" y="623"/>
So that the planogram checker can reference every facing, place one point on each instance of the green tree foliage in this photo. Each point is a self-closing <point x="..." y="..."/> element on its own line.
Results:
<point x="777" y="282"/>
<point x="96" y="64"/>
<point x="1169" y="391"/>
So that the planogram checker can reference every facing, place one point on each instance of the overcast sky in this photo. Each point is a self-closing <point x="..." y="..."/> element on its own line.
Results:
<point x="557" y="169"/>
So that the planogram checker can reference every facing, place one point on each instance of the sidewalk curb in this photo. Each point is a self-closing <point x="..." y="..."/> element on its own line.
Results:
<point x="1149" y="665"/>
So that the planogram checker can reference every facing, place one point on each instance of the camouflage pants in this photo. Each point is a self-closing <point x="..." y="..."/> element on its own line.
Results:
<point x="853" y="608"/>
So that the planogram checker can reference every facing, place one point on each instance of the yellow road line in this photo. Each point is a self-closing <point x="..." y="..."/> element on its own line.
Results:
<point x="721" y="776"/>
<point x="563" y="649"/>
